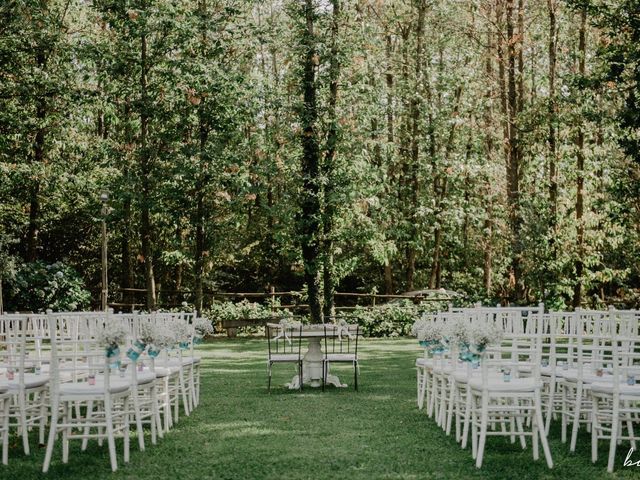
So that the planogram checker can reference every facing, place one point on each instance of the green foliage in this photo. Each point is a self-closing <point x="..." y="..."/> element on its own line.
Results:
<point x="39" y="286"/>
<point x="390" y="319"/>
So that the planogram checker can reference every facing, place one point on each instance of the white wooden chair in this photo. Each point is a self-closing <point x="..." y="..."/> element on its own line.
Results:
<point x="27" y="385"/>
<point x="495" y="400"/>
<point x="5" y="403"/>
<point x="616" y="403"/>
<point x="105" y="395"/>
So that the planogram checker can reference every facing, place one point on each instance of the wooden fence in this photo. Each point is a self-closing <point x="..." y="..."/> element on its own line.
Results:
<point x="133" y="298"/>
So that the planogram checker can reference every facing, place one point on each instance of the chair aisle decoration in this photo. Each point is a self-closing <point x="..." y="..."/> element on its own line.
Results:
<point x="512" y="371"/>
<point x="96" y="375"/>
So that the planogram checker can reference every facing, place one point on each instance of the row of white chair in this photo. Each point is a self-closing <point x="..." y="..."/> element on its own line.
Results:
<point x="58" y="374"/>
<point x="568" y="365"/>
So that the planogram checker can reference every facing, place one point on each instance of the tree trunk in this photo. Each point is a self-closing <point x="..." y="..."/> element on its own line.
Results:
<point x="145" y="164"/>
<point x="441" y="184"/>
<point x="579" y="264"/>
<point x="513" y="165"/>
<point x="388" y="270"/>
<point x="487" y="264"/>
<point x="329" y="167"/>
<point x="553" y="119"/>
<point x="38" y="158"/>
<point x="310" y="212"/>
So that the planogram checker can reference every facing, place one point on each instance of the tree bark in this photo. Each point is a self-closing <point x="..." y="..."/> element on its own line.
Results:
<point x="145" y="168"/>
<point x="38" y="157"/>
<point x="329" y="167"/>
<point x="411" y="171"/>
<point x="440" y="190"/>
<point x="579" y="264"/>
<point x="513" y="165"/>
<point x="553" y="119"/>
<point x="309" y="216"/>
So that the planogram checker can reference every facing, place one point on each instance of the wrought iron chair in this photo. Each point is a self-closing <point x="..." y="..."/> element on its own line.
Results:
<point x="285" y="344"/>
<point x="340" y="346"/>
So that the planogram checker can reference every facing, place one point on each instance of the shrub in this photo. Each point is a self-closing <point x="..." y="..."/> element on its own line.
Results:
<point x="38" y="286"/>
<point x="243" y="310"/>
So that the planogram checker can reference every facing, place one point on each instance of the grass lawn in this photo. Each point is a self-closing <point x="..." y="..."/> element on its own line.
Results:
<point x="241" y="432"/>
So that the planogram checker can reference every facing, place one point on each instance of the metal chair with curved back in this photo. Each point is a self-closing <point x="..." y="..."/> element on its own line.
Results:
<point x="285" y="343"/>
<point x="340" y="346"/>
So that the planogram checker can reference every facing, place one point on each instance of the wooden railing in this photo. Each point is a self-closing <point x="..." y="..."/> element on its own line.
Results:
<point x="174" y="298"/>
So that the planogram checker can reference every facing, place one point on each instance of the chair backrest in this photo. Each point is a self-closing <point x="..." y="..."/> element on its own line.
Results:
<point x="284" y="338"/>
<point x="75" y="352"/>
<point x="340" y="338"/>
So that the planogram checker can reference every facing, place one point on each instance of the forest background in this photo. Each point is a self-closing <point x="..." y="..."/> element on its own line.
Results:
<point x="489" y="147"/>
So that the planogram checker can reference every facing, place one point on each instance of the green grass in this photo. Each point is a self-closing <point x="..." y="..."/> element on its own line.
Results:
<point x="239" y="431"/>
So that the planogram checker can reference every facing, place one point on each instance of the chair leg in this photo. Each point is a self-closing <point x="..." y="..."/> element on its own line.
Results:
<point x="324" y="374"/>
<point x="5" y="432"/>
<point x="615" y="422"/>
<point x="594" y="429"/>
<point x="484" y="420"/>
<point x="138" y="415"/>
<point x="301" y="377"/>
<point x="87" y="428"/>
<point x="24" y="430"/>
<point x="108" y="413"/>
<point x="355" y="375"/>
<point x="543" y="436"/>
<point x="577" y="412"/>
<point x="52" y="435"/>
<point x="269" y="378"/>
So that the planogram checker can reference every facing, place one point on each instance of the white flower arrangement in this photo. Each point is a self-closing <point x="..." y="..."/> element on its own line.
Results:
<point x="483" y="335"/>
<point x="112" y="335"/>
<point x="457" y="332"/>
<point x="417" y="326"/>
<point x="182" y="332"/>
<point x="430" y="332"/>
<point x="162" y="337"/>
<point x="203" y="326"/>
<point x="147" y="332"/>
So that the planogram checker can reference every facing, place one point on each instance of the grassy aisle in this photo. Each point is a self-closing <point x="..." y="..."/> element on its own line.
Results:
<point x="241" y="432"/>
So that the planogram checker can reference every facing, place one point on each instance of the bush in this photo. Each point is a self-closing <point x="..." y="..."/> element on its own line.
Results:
<point x="389" y="320"/>
<point x="243" y="310"/>
<point x="38" y="286"/>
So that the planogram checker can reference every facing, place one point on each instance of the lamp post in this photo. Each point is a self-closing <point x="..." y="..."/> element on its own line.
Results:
<point x="104" y="198"/>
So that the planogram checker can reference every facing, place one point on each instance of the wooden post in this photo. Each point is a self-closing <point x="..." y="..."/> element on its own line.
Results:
<point x="273" y="297"/>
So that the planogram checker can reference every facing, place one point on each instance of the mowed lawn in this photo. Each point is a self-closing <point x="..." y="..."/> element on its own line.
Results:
<point x="239" y="431"/>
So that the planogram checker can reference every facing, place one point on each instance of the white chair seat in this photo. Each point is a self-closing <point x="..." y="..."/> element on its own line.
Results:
<point x="4" y="387"/>
<point x="31" y="380"/>
<point x="544" y="371"/>
<point x="145" y="377"/>
<point x="83" y="388"/>
<point x="498" y="385"/>
<point x="462" y="376"/>
<point x="186" y="361"/>
<point x="424" y="362"/>
<point x="284" y="357"/>
<point x="165" y="371"/>
<point x="340" y="357"/>
<point x="572" y="376"/>
<point x="607" y="387"/>
<point x="445" y="368"/>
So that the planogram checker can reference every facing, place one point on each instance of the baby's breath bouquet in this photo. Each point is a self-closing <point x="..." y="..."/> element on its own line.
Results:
<point x="457" y="332"/>
<point x="111" y="336"/>
<point x="183" y="333"/>
<point x="202" y="327"/>
<point x="482" y="335"/>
